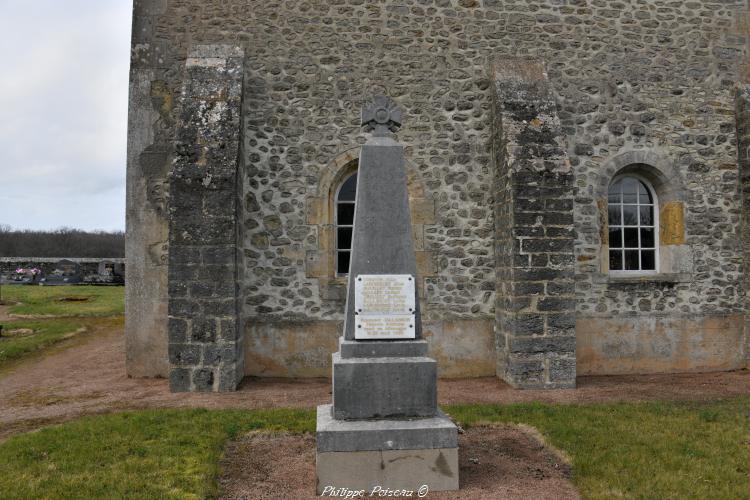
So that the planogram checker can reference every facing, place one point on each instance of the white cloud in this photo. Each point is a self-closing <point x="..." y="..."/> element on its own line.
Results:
<point x="63" y="113"/>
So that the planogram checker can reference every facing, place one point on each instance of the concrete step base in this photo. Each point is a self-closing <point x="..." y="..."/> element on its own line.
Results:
<point x="411" y="455"/>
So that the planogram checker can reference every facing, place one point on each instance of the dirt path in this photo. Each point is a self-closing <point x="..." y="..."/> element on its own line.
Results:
<point x="494" y="462"/>
<point x="90" y="378"/>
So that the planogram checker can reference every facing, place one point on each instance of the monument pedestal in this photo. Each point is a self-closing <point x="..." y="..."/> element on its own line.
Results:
<point x="388" y="387"/>
<point x="402" y="454"/>
<point x="384" y="429"/>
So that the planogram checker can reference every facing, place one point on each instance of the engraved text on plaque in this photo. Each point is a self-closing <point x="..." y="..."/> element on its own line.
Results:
<point x="384" y="306"/>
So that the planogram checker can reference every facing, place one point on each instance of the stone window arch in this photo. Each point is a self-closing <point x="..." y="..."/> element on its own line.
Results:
<point x="632" y="206"/>
<point x="344" y="203"/>
<point x="660" y="175"/>
<point x="321" y="262"/>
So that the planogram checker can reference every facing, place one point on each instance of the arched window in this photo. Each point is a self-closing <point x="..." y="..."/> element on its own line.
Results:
<point x="633" y="226"/>
<point x="344" y="222"/>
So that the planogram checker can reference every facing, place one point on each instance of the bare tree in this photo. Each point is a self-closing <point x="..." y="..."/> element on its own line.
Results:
<point x="63" y="242"/>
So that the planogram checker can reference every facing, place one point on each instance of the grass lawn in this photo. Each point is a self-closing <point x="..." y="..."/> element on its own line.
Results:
<point x="44" y="333"/>
<point x="64" y="300"/>
<point x="57" y="308"/>
<point x="148" y="454"/>
<point x="642" y="450"/>
<point x="654" y="450"/>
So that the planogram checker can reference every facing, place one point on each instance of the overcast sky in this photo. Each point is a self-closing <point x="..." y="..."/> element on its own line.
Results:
<point x="63" y="113"/>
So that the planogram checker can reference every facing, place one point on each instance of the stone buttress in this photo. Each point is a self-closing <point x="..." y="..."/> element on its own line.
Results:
<point x="534" y="233"/>
<point x="205" y="343"/>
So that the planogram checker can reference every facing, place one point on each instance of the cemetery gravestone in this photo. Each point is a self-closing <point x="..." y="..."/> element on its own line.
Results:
<point x="384" y="428"/>
<point x="26" y="276"/>
<point x="66" y="272"/>
<point x="108" y="272"/>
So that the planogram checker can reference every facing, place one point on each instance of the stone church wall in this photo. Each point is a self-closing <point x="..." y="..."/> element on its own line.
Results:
<point x="634" y="81"/>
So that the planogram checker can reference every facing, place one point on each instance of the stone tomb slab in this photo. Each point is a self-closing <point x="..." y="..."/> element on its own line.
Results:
<point x="404" y="454"/>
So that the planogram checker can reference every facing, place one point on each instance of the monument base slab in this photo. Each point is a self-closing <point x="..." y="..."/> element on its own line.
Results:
<point x="388" y="454"/>
<point x="382" y="348"/>
<point x="387" y="387"/>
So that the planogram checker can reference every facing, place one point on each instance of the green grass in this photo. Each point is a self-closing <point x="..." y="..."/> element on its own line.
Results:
<point x="45" y="333"/>
<point x="46" y="300"/>
<point x="149" y="454"/>
<point x="641" y="450"/>
<point x="644" y="450"/>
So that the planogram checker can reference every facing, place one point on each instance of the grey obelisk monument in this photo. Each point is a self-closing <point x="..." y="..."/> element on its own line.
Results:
<point x="384" y="428"/>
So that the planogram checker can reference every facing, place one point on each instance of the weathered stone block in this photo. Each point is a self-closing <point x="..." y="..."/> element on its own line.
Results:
<point x="214" y="355"/>
<point x="177" y="330"/>
<point x="422" y="211"/>
<point x="224" y="255"/>
<point x="562" y="372"/>
<point x="203" y="330"/>
<point x="542" y="345"/>
<point x="365" y="388"/>
<point x="184" y="354"/>
<point x="219" y="308"/>
<point x="183" y="308"/>
<point x="179" y="380"/>
<point x="426" y="265"/>
<point x="203" y="380"/>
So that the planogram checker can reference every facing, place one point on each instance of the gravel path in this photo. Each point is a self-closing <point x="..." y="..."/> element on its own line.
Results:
<point x="86" y="375"/>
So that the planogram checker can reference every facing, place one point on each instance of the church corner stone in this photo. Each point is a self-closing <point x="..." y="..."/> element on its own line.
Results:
<point x="534" y="232"/>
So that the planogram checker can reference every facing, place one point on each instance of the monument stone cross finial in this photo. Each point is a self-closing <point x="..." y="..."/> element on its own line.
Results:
<point x="381" y="115"/>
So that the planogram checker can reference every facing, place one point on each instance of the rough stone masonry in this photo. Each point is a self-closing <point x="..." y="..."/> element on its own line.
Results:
<point x="647" y="88"/>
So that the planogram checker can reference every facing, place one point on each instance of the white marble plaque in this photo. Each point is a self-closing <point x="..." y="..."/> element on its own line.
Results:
<point x="384" y="306"/>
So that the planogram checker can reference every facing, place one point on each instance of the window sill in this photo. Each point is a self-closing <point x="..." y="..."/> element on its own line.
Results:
<point x="602" y="278"/>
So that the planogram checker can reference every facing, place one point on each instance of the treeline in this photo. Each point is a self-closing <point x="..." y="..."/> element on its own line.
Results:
<point x="64" y="242"/>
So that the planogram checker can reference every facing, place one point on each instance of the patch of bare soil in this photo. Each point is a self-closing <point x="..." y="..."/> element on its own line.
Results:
<point x="268" y="466"/>
<point x="86" y="375"/>
<point x="494" y="462"/>
<point x="73" y="299"/>
<point x="5" y="312"/>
